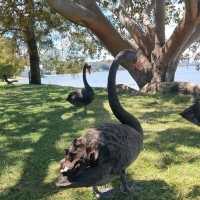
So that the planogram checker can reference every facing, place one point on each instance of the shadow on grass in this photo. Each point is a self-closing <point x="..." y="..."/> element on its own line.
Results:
<point x="176" y="98"/>
<point x="168" y="141"/>
<point x="195" y="193"/>
<point x="36" y="163"/>
<point x="33" y="111"/>
<point x="31" y="120"/>
<point x="156" y="116"/>
<point x="147" y="190"/>
<point x="165" y="107"/>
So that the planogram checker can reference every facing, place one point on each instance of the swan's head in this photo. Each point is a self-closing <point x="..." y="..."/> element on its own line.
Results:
<point x="73" y="162"/>
<point x="88" y="67"/>
<point x="79" y="158"/>
<point x="130" y="58"/>
<point x="126" y="57"/>
<point x="75" y="152"/>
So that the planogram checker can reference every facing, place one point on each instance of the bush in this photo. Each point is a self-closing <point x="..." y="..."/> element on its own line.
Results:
<point x="10" y="62"/>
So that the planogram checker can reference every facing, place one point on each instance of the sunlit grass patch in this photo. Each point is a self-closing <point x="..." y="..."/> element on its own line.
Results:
<point x="36" y="124"/>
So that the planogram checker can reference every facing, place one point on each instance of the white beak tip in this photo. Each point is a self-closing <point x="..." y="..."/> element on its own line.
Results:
<point x="64" y="170"/>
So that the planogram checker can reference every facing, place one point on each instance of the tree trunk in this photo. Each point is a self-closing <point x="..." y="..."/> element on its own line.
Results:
<point x="164" y="73"/>
<point x="29" y="35"/>
<point x="33" y="57"/>
<point x="171" y="70"/>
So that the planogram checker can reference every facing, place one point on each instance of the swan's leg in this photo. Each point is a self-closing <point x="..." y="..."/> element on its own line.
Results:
<point x="124" y="181"/>
<point x="85" y="110"/>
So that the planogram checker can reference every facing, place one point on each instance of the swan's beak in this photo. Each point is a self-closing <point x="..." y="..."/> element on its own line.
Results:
<point x="89" y="70"/>
<point x="63" y="181"/>
<point x="64" y="170"/>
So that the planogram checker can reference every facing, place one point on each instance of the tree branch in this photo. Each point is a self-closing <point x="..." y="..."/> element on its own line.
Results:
<point x="74" y="12"/>
<point x="183" y="32"/>
<point x="194" y="38"/>
<point x="147" y="12"/>
<point x="191" y="10"/>
<point x="137" y="33"/>
<point x="160" y="22"/>
<point x="90" y="16"/>
<point x="134" y="30"/>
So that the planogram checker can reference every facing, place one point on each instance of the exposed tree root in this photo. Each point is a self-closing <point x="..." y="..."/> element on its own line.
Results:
<point x="169" y="87"/>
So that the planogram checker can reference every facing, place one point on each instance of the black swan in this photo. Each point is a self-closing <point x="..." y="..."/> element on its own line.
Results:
<point x="103" y="153"/>
<point x="5" y="78"/>
<point x="86" y="95"/>
<point x="192" y="113"/>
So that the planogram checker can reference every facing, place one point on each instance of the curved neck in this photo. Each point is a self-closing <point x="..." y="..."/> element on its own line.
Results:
<point x="122" y="115"/>
<point x="84" y="77"/>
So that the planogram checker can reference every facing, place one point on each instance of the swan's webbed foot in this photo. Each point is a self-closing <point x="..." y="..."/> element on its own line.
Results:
<point x="104" y="193"/>
<point x="96" y="192"/>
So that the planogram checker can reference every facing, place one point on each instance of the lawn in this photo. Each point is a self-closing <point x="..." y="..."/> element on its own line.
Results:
<point x="36" y="124"/>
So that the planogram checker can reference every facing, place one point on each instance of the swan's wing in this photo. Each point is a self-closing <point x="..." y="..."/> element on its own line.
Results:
<point x="87" y="94"/>
<point x="75" y="94"/>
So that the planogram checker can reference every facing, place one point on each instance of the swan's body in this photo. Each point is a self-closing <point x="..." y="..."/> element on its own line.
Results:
<point x="104" y="153"/>
<point x="192" y="113"/>
<point x="8" y="81"/>
<point x="84" y="96"/>
<point x="112" y="148"/>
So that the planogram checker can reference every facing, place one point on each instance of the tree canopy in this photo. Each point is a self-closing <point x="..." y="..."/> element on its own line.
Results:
<point x="140" y="26"/>
<point x="60" y="66"/>
<point x="30" y="22"/>
<point x="35" y="26"/>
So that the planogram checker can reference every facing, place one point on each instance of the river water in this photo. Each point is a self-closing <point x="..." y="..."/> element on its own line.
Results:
<point x="99" y="79"/>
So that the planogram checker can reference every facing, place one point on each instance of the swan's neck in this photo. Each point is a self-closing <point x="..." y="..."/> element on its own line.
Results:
<point x="84" y="78"/>
<point x="122" y="115"/>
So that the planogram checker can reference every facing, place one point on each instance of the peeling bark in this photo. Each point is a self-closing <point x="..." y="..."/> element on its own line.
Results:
<point x="171" y="70"/>
<point x="137" y="34"/>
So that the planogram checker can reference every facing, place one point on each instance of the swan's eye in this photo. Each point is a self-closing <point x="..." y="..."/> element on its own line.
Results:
<point x="66" y="151"/>
<point x="71" y="156"/>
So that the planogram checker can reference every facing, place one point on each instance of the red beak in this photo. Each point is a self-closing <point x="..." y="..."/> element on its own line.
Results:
<point x="89" y="70"/>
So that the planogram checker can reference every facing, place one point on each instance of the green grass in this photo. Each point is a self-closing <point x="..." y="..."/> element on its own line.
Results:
<point x="36" y="124"/>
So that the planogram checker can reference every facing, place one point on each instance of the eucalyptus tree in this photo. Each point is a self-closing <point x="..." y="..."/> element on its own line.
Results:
<point x="139" y="25"/>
